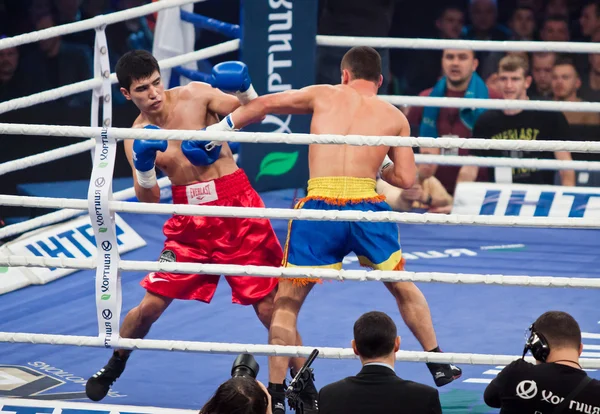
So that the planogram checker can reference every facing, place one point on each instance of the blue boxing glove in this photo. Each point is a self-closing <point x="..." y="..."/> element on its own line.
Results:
<point x="144" y="157"/>
<point x="234" y="147"/>
<point x="202" y="153"/>
<point x="199" y="154"/>
<point x="233" y="77"/>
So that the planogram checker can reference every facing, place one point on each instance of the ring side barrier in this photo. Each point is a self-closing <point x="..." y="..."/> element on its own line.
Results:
<point x="267" y="350"/>
<point x="501" y="104"/>
<point x="90" y="84"/>
<point x="307" y="214"/>
<point x="45" y="157"/>
<point x="66" y="213"/>
<point x="539" y="164"/>
<point x="92" y="23"/>
<point x="210" y="24"/>
<point x="295" y="138"/>
<point x="312" y="273"/>
<point x="440" y="44"/>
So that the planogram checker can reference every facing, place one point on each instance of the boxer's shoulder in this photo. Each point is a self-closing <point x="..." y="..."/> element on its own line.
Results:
<point x="197" y="86"/>
<point x="140" y="122"/>
<point x="194" y="92"/>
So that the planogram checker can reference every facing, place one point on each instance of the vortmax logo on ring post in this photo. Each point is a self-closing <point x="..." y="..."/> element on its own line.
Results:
<point x="100" y="181"/>
<point x="106" y="245"/>
<point x="107" y="314"/>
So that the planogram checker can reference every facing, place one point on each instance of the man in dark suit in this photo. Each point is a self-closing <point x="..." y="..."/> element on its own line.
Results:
<point x="377" y="389"/>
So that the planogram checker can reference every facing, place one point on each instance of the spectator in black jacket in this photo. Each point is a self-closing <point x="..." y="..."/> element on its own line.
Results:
<point x="377" y="389"/>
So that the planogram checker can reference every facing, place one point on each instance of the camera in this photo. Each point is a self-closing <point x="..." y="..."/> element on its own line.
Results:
<point x="244" y="366"/>
<point x="299" y="382"/>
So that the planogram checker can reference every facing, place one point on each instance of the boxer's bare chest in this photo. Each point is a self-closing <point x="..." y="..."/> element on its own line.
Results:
<point x="190" y="115"/>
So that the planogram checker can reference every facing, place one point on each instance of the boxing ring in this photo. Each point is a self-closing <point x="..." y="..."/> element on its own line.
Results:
<point x="510" y="269"/>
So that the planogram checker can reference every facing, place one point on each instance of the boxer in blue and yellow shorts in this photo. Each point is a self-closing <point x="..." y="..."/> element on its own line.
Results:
<point x="325" y="243"/>
<point x="343" y="178"/>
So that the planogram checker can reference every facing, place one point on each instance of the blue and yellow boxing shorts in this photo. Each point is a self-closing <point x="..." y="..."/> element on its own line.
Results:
<point x="324" y="244"/>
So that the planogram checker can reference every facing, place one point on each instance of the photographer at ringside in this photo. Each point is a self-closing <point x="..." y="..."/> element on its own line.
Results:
<point x="242" y="393"/>
<point x="556" y="383"/>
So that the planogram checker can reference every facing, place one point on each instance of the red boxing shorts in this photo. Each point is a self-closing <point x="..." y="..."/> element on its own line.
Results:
<point x="217" y="240"/>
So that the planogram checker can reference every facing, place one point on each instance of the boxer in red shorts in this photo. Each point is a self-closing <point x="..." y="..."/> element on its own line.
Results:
<point x="201" y="173"/>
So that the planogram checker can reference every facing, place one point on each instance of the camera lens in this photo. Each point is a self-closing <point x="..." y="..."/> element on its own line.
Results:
<point x="245" y="366"/>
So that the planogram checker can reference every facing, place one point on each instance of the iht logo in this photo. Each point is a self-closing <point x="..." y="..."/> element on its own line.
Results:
<point x="542" y="205"/>
<point x="17" y="381"/>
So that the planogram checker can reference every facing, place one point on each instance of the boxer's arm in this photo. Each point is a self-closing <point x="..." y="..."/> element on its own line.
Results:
<point x="399" y="168"/>
<point x="221" y="103"/>
<point x="145" y="195"/>
<point x="289" y="102"/>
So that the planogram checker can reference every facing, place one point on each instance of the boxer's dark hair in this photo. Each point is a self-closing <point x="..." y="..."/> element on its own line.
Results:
<point x="239" y="395"/>
<point x="375" y="335"/>
<point x="363" y="62"/>
<point x="560" y="329"/>
<point x="134" y="65"/>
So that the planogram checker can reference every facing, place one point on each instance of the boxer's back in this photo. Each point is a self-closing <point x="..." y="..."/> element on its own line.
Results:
<point x="344" y="110"/>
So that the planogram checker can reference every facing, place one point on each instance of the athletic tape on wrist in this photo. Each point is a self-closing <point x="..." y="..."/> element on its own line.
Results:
<point x="146" y="179"/>
<point x="387" y="161"/>
<point x="246" y="96"/>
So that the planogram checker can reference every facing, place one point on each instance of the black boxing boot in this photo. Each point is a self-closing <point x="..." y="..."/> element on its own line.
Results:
<point x="277" y="392"/>
<point x="443" y="373"/>
<point x="99" y="384"/>
<point x="309" y="395"/>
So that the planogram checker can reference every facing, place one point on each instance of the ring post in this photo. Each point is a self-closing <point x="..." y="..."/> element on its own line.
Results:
<point x="104" y="91"/>
<point x="108" y="275"/>
<point x="278" y="44"/>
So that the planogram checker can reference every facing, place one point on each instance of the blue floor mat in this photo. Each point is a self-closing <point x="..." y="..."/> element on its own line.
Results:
<point x="467" y="318"/>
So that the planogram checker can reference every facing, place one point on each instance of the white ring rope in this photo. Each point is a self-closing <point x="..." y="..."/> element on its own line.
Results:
<point x="291" y="351"/>
<point x="501" y="104"/>
<point x="456" y="160"/>
<point x="327" y="274"/>
<point x="66" y="213"/>
<point x="49" y="95"/>
<point x="302" y="273"/>
<point x="90" y="84"/>
<point x="439" y="44"/>
<point x="295" y="138"/>
<point x="539" y="164"/>
<point x="45" y="157"/>
<point x="308" y="214"/>
<point x="92" y="23"/>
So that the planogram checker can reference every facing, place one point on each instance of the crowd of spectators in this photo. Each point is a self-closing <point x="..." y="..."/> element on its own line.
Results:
<point x="545" y="76"/>
<point x="66" y="59"/>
